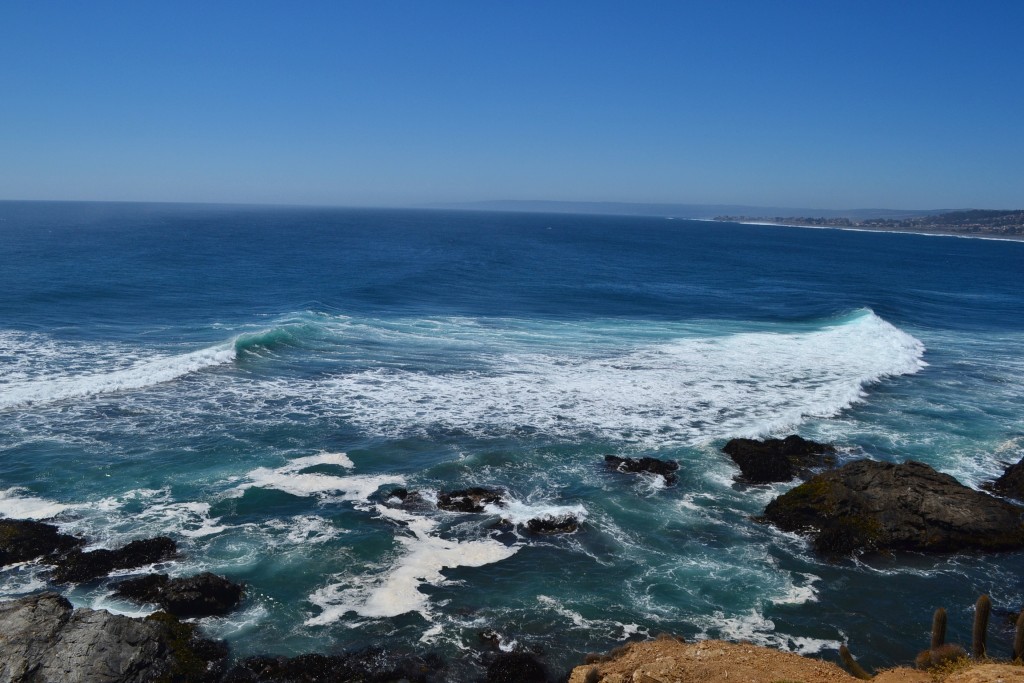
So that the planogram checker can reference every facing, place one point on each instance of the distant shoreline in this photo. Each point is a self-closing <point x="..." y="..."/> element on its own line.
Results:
<point x="933" y="233"/>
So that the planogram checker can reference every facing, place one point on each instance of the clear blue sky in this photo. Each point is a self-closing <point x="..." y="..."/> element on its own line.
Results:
<point x="828" y="104"/>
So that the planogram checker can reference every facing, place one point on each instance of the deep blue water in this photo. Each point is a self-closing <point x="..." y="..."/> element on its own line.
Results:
<point x="254" y="381"/>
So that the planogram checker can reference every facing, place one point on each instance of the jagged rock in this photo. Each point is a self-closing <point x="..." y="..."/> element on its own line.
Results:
<point x="77" y="566"/>
<point x="44" y="640"/>
<point x="23" y="540"/>
<point x="516" y="667"/>
<point x="406" y="496"/>
<point x="666" y="468"/>
<point x="202" y="595"/>
<point x="771" y="460"/>
<point x="366" y="666"/>
<point x="1011" y="482"/>
<point x="876" y="506"/>
<point x="469" y="500"/>
<point x="565" y="524"/>
<point x="491" y="638"/>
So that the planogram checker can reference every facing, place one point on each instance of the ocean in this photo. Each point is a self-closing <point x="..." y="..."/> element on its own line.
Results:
<point x="255" y="381"/>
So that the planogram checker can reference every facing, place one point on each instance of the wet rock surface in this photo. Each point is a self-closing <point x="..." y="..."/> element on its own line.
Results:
<point x="202" y="595"/>
<point x="78" y="567"/>
<point x="24" y="540"/>
<point x="44" y="640"/>
<point x="553" y="525"/>
<point x="516" y="667"/>
<point x="1011" y="482"/>
<point x="367" y="666"/>
<point x="772" y="460"/>
<point x="873" y="506"/>
<point x="469" y="500"/>
<point x="665" y="468"/>
<point x="406" y="497"/>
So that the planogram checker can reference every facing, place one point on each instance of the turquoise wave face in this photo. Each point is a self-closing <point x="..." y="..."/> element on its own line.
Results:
<point x="264" y="427"/>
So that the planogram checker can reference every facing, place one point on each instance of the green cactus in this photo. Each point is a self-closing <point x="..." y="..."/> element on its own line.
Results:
<point x="982" y="609"/>
<point x="938" y="628"/>
<point x="856" y="669"/>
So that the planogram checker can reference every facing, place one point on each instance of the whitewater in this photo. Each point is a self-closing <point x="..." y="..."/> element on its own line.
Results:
<point x="257" y="383"/>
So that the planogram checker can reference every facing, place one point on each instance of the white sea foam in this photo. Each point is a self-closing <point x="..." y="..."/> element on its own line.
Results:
<point x="138" y="375"/>
<point x="290" y="478"/>
<point x="689" y="390"/>
<point x="799" y="595"/>
<point x="16" y="504"/>
<point x="615" y="629"/>
<point x="518" y="512"/>
<point x="754" y="627"/>
<point x="397" y="591"/>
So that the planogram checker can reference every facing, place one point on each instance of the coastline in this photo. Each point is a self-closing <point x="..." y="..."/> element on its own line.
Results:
<point x="937" y="233"/>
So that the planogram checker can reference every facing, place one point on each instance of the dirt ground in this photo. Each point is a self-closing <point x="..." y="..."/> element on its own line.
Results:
<point x="667" y="660"/>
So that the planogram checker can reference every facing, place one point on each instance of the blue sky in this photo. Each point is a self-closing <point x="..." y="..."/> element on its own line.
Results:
<point x="818" y="104"/>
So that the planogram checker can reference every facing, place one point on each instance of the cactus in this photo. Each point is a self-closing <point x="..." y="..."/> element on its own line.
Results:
<point x="938" y="628"/>
<point x="1018" y="638"/>
<point x="982" y="609"/>
<point x="856" y="669"/>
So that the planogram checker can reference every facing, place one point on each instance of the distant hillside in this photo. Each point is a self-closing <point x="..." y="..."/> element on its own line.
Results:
<point x="981" y="222"/>
<point x="682" y="210"/>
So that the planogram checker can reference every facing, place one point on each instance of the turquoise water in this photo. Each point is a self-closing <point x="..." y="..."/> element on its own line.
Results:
<point x="254" y="381"/>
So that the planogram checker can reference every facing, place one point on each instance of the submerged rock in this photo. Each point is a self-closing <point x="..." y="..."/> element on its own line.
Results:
<point x="771" y="460"/>
<point x="469" y="500"/>
<point x="202" y="595"/>
<point x="666" y="468"/>
<point x="24" y="540"/>
<point x="45" y="641"/>
<point x="1011" y="482"/>
<point x="77" y="566"/>
<point x="875" y="506"/>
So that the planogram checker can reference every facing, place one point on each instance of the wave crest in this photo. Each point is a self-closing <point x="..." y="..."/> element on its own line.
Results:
<point x="687" y="390"/>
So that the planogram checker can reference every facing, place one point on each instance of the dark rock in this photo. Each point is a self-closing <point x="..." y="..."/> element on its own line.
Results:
<point x="365" y="666"/>
<point x="202" y="595"/>
<point x="44" y="640"/>
<point x="77" y="566"/>
<point x="491" y="638"/>
<point x="1011" y="483"/>
<point x="666" y="468"/>
<point x="406" y="496"/>
<point x="874" y="506"/>
<point x="24" y="540"/>
<point x="771" y="460"/>
<point x="516" y="667"/>
<point x="469" y="500"/>
<point x="565" y="524"/>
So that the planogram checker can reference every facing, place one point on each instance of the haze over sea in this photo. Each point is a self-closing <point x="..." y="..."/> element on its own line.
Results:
<point x="254" y="381"/>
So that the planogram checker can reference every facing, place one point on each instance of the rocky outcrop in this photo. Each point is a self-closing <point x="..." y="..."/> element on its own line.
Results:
<point x="565" y="524"/>
<point x="772" y="460"/>
<point x="1011" y="483"/>
<point x="23" y="540"/>
<point x="77" y="566"/>
<point x="44" y="640"/>
<point x="469" y="500"/>
<point x="665" y="468"/>
<point x="516" y="667"/>
<point x="202" y="595"/>
<point x="875" y="506"/>
<point x="406" y="497"/>
<point x="366" y="666"/>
